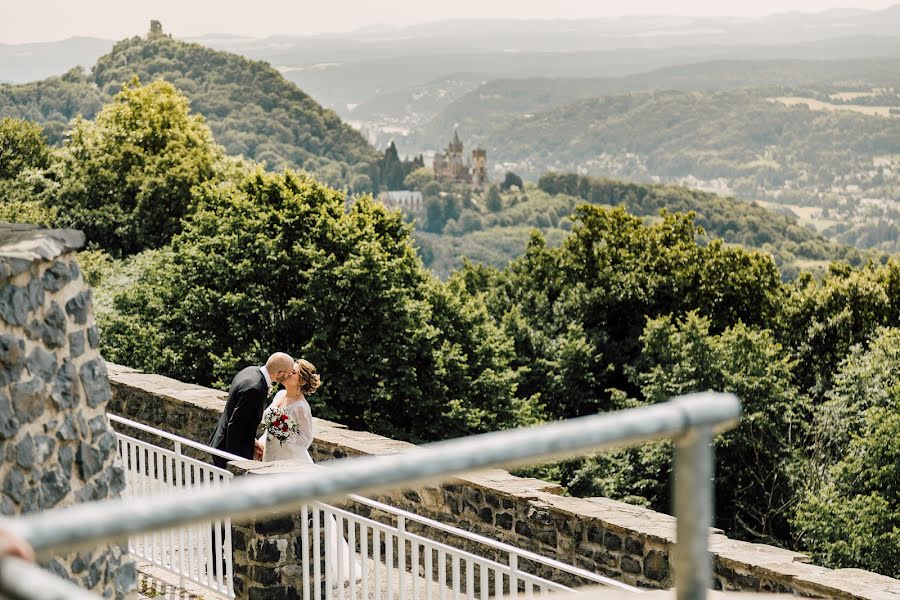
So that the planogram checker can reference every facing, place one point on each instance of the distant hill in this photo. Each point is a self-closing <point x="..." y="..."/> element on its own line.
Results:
<point x="21" y="63"/>
<point x="506" y="99"/>
<point x="251" y="109"/>
<point x="496" y="238"/>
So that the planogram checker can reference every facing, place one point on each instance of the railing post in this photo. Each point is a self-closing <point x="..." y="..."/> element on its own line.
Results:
<point x="693" y="511"/>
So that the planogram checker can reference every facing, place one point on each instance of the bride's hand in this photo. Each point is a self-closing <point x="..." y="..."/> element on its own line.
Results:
<point x="258" y="450"/>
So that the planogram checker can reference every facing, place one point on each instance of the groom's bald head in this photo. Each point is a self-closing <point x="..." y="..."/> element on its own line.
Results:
<point x="279" y="366"/>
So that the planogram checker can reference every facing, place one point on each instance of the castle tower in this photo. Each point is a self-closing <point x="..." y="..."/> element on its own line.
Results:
<point x="479" y="168"/>
<point x="456" y="146"/>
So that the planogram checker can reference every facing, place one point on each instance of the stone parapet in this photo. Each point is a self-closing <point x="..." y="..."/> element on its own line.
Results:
<point x="631" y="543"/>
<point x="56" y="444"/>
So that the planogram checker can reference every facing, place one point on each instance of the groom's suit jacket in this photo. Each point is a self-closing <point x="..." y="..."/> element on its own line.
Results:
<point x="236" y="430"/>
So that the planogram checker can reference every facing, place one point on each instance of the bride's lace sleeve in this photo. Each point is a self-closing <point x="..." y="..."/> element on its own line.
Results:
<point x="304" y="418"/>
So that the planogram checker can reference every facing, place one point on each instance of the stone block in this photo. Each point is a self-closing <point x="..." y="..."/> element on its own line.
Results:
<point x="95" y="382"/>
<point x="272" y="593"/>
<point x="64" y="392"/>
<point x="53" y="330"/>
<point x="28" y="399"/>
<point x="266" y="551"/>
<point x="504" y="520"/>
<point x="41" y="364"/>
<point x="78" y="307"/>
<point x="58" y="275"/>
<point x="656" y="565"/>
<point x="14" y="305"/>
<point x="274" y="526"/>
<point x="93" y="335"/>
<point x="55" y="486"/>
<point x="25" y="451"/>
<point x="76" y="344"/>
<point x="90" y="460"/>
<point x="630" y="565"/>
<point x="612" y="541"/>
<point x="263" y="575"/>
<point x="634" y="546"/>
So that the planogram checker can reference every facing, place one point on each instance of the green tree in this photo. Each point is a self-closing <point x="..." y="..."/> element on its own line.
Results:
<point x="756" y="463"/>
<point x="494" y="202"/>
<point x="511" y="180"/>
<point x="418" y="179"/>
<point x="22" y="146"/>
<point x="849" y="515"/>
<point x="274" y="261"/>
<point x="128" y="175"/>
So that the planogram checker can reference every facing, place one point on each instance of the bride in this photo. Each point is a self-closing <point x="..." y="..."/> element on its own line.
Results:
<point x="302" y="382"/>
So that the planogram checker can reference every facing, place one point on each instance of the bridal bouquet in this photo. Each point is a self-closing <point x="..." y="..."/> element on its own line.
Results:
<point x="279" y="425"/>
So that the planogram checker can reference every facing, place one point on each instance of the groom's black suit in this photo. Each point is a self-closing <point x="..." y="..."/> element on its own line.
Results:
<point x="236" y="430"/>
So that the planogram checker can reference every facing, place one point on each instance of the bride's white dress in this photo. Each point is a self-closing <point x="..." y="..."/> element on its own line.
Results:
<point x="296" y="447"/>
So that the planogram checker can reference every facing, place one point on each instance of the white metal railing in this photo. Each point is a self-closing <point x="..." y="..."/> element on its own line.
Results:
<point x="690" y="421"/>
<point x="200" y="552"/>
<point x="354" y="557"/>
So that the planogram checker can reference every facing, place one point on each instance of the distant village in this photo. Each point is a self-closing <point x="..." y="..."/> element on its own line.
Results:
<point x="450" y="167"/>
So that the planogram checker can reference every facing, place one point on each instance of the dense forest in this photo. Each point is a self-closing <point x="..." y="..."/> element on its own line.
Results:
<point x="621" y="311"/>
<point x="493" y="227"/>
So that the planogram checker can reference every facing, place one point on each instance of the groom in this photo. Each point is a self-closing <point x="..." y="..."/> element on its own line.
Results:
<point x="236" y="431"/>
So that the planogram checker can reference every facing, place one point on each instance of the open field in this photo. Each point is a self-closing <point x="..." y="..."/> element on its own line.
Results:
<point x="813" y="104"/>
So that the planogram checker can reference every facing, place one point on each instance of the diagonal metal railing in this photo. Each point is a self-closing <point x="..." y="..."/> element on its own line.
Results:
<point x="187" y="552"/>
<point x="691" y="421"/>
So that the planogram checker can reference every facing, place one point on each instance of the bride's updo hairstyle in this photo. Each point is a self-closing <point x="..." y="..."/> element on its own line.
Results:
<point x="309" y="379"/>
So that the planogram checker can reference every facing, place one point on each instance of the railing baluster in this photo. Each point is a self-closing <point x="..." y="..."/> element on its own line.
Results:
<point x="513" y="579"/>
<point x="351" y="543"/>
<point x="498" y="584"/>
<point x="317" y="557"/>
<point x="401" y="556"/>
<point x="337" y="526"/>
<point x="442" y="575"/>
<point x="376" y="555"/>
<point x="484" y="574"/>
<point x="470" y="579"/>
<point x="457" y="582"/>
<point x="304" y="548"/>
<point x="364" y="558"/>
<point x="414" y="567"/>
<point x="389" y="564"/>
<point x="429" y="573"/>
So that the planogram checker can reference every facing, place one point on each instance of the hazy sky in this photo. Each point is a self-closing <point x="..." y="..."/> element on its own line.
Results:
<point x="44" y="20"/>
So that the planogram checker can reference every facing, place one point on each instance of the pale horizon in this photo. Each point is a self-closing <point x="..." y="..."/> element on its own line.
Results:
<point x="56" y="20"/>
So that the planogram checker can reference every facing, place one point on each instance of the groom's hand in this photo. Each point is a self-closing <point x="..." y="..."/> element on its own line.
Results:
<point x="258" y="450"/>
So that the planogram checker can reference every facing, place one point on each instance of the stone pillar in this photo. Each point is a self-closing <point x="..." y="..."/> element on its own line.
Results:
<point x="268" y="549"/>
<point x="57" y="446"/>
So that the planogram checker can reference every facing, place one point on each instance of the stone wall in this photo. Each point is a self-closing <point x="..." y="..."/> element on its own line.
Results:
<point x="56" y="444"/>
<point x="630" y="543"/>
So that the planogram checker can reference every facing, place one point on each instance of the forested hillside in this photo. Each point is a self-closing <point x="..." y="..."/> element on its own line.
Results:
<point x="504" y="99"/>
<point x="250" y="108"/>
<point x="493" y="228"/>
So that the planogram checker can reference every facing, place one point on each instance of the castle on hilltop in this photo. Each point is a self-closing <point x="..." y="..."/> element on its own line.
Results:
<point x="450" y="166"/>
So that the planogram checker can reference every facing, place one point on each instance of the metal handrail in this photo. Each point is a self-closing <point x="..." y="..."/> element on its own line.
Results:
<point x="690" y="420"/>
<point x="175" y="438"/>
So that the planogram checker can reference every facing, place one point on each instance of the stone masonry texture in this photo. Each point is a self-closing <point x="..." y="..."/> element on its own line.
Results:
<point x="627" y="542"/>
<point x="54" y="436"/>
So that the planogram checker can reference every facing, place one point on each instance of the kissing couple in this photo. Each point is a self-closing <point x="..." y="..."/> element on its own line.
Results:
<point x="247" y="404"/>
